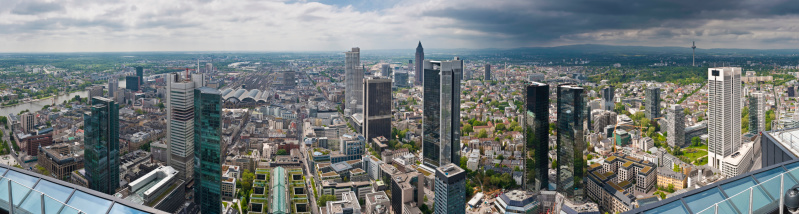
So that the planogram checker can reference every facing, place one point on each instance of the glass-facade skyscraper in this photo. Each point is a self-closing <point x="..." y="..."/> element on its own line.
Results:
<point x="570" y="143"/>
<point x="207" y="149"/>
<point x="101" y="145"/>
<point x="536" y="128"/>
<point x="652" y="102"/>
<point x="450" y="190"/>
<point x="441" y="122"/>
<point x="377" y="108"/>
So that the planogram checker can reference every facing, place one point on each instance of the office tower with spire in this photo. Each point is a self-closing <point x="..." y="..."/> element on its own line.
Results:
<point x="377" y="108"/>
<point x="180" y="122"/>
<point x="101" y="145"/>
<point x="450" y="190"/>
<point x="724" y="113"/>
<point x="652" y="103"/>
<point x="536" y="128"/>
<point x="441" y="121"/>
<point x="419" y="65"/>
<point x="607" y="98"/>
<point x="207" y="149"/>
<point x="757" y="113"/>
<point x="693" y="55"/>
<point x="571" y="146"/>
<point x="676" y="129"/>
<point x="353" y="75"/>
<point x="487" y="75"/>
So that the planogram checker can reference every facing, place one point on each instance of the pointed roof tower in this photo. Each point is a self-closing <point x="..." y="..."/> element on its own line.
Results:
<point x="419" y="46"/>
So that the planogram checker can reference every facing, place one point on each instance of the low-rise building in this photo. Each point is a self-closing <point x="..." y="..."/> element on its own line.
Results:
<point x="377" y="203"/>
<point x="668" y="177"/>
<point x="348" y="204"/>
<point x="59" y="160"/>
<point x="739" y="162"/>
<point x="517" y="201"/>
<point x="161" y="189"/>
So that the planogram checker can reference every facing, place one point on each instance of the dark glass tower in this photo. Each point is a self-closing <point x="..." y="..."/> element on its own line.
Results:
<point x="441" y="123"/>
<point x="140" y="75"/>
<point x="377" y="108"/>
<point x="450" y="189"/>
<point x="207" y="149"/>
<point x="419" y="66"/>
<point x="652" y="103"/>
<point x="101" y="145"/>
<point x="132" y="83"/>
<point x="571" y="122"/>
<point x="536" y="128"/>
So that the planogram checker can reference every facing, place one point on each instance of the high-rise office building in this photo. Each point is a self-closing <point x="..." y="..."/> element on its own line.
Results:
<point x="450" y="190"/>
<point x="28" y="121"/>
<point x="207" y="149"/>
<point x="289" y="78"/>
<point x="571" y="146"/>
<point x="180" y="122"/>
<point x="101" y="145"/>
<point x="724" y="113"/>
<point x="95" y="91"/>
<point x="385" y="70"/>
<point x="487" y="75"/>
<point x="536" y="128"/>
<point x="132" y="83"/>
<point x="401" y="79"/>
<point x="377" y="108"/>
<point x="113" y="85"/>
<point x="353" y="75"/>
<point x="140" y="75"/>
<point x="607" y="98"/>
<point x="676" y="129"/>
<point x="441" y="126"/>
<point x="419" y="66"/>
<point x="757" y="113"/>
<point x="652" y="103"/>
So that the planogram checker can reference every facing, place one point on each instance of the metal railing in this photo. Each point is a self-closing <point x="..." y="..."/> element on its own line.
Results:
<point x="745" y="201"/>
<point x="19" y="193"/>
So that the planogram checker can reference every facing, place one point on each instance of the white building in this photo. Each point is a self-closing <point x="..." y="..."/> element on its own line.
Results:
<point x="27" y="121"/>
<point x="180" y="128"/>
<point x="353" y="76"/>
<point x="724" y="113"/>
<point x="739" y="162"/>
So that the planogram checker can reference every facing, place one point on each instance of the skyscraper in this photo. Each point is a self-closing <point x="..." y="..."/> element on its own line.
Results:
<point x="419" y="66"/>
<point x="385" y="70"/>
<point x="757" y="113"/>
<point x="353" y="74"/>
<point x="28" y="121"/>
<point x="132" y="83"/>
<point x="441" y="126"/>
<point x="140" y="75"/>
<point x="180" y="122"/>
<point x="113" y="84"/>
<point x="101" y="145"/>
<point x="536" y="128"/>
<point x="652" y="103"/>
<point x="377" y="108"/>
<point x="207" y="149"/>
<point x="607" y="98"/>
<point x="724" y="113"/>
<point x="571" y="122"/>
<point x="676" y="129"/>
<point x="487" y="75"/>
<point x="450" y="190"/>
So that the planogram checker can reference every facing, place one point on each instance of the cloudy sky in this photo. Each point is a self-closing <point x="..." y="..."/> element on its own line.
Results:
<point x="335" y="25"/>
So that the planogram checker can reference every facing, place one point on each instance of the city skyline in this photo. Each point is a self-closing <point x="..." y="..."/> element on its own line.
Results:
<point x="95" y="26"/>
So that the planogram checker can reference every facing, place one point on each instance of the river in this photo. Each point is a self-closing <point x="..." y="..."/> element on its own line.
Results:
<point x="37" y="105"/>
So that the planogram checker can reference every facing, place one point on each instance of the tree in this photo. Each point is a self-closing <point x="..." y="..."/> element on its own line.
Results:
<point x="145" y="146"/>
<point x="482" y="134"/>
<point x="467" y="129"/>
<point x="463" y="162"/>
<point x="160" y="105"/>
<point x="500" y="127"/>
<point x="696" y="141"/>
<point x="282" y="152"/>
<point x="670" y="188"/>
<point x="325" y="198"/>
<point x="246" y="180"/>
<point x="501" y="157"/>
<point x="554" y="164"/>
<point x="677" y="168"/>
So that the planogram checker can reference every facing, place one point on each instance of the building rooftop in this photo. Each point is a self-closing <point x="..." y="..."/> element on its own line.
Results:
<point x="738" y="156"/>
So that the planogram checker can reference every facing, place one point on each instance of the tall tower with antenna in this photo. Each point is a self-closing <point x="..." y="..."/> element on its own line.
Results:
<point x="693" y="57"/>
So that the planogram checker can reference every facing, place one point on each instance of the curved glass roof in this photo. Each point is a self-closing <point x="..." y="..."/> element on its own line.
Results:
<point x="34" y="193"/>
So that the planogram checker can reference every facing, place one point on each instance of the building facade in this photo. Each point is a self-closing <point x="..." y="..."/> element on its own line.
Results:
<point x="207" y="149"/>
<point x="536" y="128"/>
<point x="180" y="122"/>
<point x="652" y="103"/>
<point x="441" y="126"/>
<point x="724" y="114"/>
<point x="101" y="145"/>
<point x="377" y="108"/>
<point x="757" y="113"/>
<point x="571" y="106"/>
<point x="353" y="75"/>
<point x="132" y="83"/>
<point x="676" y="129"/>
<point x="450" y="190"/>
<point x="607" y="98"/>
<point x="487" y="75"/>
<point x="419" y="65"/>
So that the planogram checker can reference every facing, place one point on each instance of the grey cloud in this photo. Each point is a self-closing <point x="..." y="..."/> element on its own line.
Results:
<point x="35" y="7"/>
<point x="545" y="21"/>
